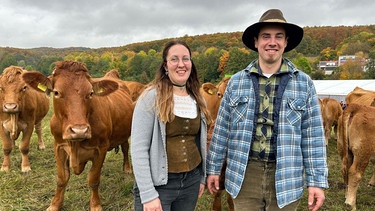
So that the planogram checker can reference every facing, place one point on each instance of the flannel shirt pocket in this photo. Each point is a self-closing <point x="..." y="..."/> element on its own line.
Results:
<point x="294" y="114"/>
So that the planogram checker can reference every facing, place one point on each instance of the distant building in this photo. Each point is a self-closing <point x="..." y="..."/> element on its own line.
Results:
<point x="343" y="59"/>
<point x="328" y="66"/>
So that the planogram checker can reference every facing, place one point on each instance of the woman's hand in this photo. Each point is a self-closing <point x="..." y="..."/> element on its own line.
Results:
<point x="201" y="190"/>
<point x="154" y="205"/>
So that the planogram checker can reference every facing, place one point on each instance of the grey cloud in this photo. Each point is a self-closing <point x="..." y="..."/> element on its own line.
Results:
<point x="97" y="23"/>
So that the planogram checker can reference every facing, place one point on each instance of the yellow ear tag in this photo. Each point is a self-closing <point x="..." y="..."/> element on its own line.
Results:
<point x="100" y="90"/>
<point x="42" y="87"/>
<point x="210" y="92"/>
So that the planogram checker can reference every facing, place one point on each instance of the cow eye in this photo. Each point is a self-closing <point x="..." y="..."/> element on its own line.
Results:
<point x="24" y="88"/>
<point x="91" y="94"/>
<point x="56" y="94"/>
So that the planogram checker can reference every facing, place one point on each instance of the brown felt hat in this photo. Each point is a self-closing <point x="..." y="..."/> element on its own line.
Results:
<point x="273" y="17"/>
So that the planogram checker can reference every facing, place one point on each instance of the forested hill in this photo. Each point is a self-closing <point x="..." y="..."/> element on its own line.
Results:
<point x="214" y="54"/>
<point x="315" y="39"/>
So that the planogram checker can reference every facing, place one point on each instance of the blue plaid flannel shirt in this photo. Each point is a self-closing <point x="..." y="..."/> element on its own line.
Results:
<point x="301" y="150"/>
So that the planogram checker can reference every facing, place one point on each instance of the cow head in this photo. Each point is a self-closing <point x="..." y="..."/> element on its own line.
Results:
<point x="12" y="89"/>
<point x="213" y="95"/>
<point x="12" y="96"/>
<point x="209" y="93"/>
<point x="72" y="90"/>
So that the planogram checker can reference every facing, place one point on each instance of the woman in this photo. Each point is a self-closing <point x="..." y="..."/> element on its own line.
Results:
<point x="169" y="133"/>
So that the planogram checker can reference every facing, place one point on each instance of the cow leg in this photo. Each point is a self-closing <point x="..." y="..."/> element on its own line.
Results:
<point x="217" y="200"/>
<point x="25" y="148"/>
<point x="230" y="202"/>
<point x="7" y="149"/>
<point x="94" y="181"/>
<point x="63" y="175"/>
<point x="355" y="175"/>
<point x="335" y="130"/>
<point x="38" y="131"/>
<point x="216" y="204"/>
<point x="126" y="163"/>
<point x="328" y="131"/>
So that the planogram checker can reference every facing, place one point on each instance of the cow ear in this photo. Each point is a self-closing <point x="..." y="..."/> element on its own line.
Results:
<point x="209" y="88"/>
<point x="37" y="81"/>
<point x="104" y="87"/>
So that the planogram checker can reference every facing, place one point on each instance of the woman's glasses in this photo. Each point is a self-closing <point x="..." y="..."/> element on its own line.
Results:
<point x="175" y="60"/>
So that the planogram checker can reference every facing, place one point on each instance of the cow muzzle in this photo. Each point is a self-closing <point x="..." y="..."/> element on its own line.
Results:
<point x="77" y="133"/>
<point x="11" y="108"/>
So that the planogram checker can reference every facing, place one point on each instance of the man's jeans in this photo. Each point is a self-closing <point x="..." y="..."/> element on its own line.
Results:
<point x="179" y="194"/>
<point x="258" y="191"/>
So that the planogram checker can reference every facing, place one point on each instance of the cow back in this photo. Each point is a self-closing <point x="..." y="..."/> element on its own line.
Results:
<point x="135" y="88"/>
<point x="360" y="96"/>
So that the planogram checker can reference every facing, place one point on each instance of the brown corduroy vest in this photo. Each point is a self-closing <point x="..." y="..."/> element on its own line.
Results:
<point x="182" y="151"/>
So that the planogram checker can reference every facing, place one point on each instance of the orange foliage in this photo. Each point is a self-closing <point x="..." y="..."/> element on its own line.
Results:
<point x="223" y="61"/>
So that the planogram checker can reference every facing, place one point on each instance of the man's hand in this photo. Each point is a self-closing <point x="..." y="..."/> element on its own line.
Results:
<point x="213" y="183"/>
<point x="316" y="198"/>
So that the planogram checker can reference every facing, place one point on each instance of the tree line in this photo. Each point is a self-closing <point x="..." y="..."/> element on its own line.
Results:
<point x="215" y="55"/>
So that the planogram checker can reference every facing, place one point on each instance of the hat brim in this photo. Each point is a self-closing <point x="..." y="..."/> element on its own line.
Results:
<point x="293" y="32"/>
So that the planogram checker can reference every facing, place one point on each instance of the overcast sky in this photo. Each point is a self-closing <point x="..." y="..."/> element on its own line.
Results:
<point x="112" y="23"/>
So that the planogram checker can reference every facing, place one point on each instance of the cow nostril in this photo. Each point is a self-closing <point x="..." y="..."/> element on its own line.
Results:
<point x="79" y="130"/>
<point x="10" y="107"/>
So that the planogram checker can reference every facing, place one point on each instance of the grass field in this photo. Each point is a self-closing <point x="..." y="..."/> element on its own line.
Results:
<point x="35" y="190"/>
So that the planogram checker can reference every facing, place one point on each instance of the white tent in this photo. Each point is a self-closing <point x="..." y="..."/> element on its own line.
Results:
<point x="338" y="89"/>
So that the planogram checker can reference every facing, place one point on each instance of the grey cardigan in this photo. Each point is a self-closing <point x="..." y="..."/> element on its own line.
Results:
<point x="148" y="147"/>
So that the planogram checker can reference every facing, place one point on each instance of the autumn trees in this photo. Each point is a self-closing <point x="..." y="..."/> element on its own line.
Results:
<point x="215" y="55"/>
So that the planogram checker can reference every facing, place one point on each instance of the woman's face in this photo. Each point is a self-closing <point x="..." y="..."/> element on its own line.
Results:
<point x="178" y="64"/>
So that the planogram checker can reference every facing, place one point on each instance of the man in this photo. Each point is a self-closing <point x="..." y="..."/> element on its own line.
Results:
<point x="269" y="126"/>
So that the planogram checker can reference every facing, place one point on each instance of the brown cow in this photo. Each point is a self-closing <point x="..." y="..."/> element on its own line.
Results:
<point x="213" y="95"/>
<point x="210" y="93"/>
<point x="22" y="109"/>
<point x="331" y="111"/>
<point x="363" y="97"/>
<point x="356" y="147"/>
<point x="135" y="88"/>
<point x="90" y="118"/>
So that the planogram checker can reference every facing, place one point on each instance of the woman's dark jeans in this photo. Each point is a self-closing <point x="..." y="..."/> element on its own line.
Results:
<point x="179" y="194"/>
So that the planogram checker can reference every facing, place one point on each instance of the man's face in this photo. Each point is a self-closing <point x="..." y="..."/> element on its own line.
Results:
<point x="271" y="43"/>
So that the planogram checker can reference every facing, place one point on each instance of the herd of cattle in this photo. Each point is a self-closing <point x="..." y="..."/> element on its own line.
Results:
<point x="93" y="115"/>
<point x="353" y="127"/>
